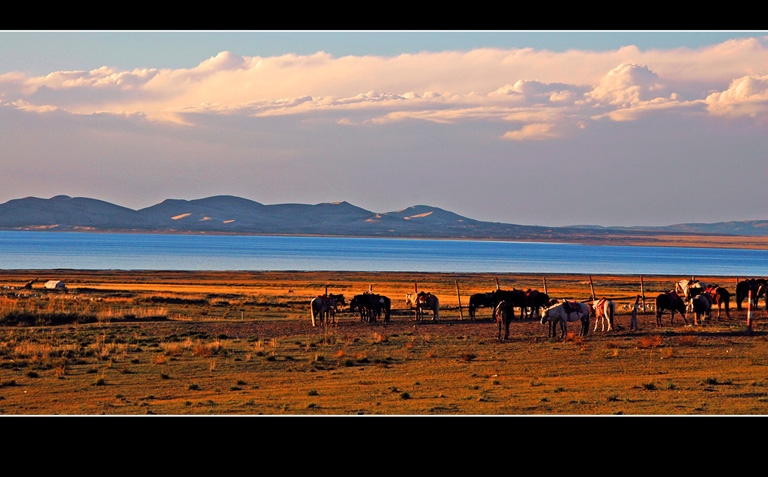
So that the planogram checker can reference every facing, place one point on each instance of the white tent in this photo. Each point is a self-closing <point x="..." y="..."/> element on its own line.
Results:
<point x="55" y="284"/>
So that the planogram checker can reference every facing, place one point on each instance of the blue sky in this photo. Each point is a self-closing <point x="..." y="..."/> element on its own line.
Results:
<point x="41" y="52"/>
<point x="527" y="127"/>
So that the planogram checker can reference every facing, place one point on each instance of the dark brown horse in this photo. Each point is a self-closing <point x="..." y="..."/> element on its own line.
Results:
<point x="371" y="306"/>
<point x="720" y="297"/>
<point x="514" y="298"/>
<point x="755" y="285"/>
<point x="479" y="300"/>
<point x="323" y="308"/>
<point x="504" y="314"/>
<point x="534" y="302"/>
<point x="670" y="301"/>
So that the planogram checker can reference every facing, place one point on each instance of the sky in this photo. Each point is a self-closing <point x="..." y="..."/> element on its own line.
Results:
<point x="527" y="127"/>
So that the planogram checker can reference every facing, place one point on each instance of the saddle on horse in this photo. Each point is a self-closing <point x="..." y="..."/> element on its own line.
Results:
<point x="572" y="306"/>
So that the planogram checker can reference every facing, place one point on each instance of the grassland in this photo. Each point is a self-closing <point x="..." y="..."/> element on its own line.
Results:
<point x="241" y="343"/>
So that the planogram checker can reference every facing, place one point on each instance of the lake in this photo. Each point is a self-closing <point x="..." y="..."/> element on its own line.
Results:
<point x="97" y="251"/>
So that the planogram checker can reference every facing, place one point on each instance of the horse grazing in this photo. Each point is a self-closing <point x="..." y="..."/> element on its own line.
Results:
<point x="669" y="301"/>
<point x="504" y="314"/>
<point x="701" y="306"/>
<point x="563" y="313"/>
<point x="604" y="310"/>
<point x="480" y="300"/>
<point x="755" y="285"/>
<point x="534" y="301"/>
<point x="422" y="300"/>
<point x="323" y="308"/>
<point x="370" y="306"/>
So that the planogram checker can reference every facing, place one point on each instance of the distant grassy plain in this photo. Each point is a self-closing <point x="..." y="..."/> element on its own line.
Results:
<point x="241" y="343"/>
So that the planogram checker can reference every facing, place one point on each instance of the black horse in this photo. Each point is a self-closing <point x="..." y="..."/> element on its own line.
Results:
<point x="370" y="306"/>
<point x="669" y="301"/>
<point x="480" y="300"/>
<point x="514" y="297"/>
<point x="755" y="285"/>
<point x="534" y="301"/>
<point x="504" y="314"/>
<point x="324" y="307"/>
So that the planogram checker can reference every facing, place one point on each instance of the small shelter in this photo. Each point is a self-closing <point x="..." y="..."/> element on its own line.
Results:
<point x="55" y="285"/>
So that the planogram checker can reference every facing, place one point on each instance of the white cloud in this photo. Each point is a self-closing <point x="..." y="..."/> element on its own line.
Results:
<point x="627" y="84"/>
<point x="444" y="86"/>
<point x="536" y="131"/>
<point x="746" y="96"/>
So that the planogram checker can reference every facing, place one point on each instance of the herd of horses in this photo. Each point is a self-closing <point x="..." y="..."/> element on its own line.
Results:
<point x="688" y="296"/>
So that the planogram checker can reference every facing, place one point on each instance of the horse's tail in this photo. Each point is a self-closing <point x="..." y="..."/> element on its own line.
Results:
<point x="312" y="311"/>
<point x="437" y="308"/>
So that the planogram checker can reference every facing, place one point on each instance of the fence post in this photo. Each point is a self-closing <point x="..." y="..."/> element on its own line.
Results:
<point x="749" y="312"/>
<point x="458" y="296"/>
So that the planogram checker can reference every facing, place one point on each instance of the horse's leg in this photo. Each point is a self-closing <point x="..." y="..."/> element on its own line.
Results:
<point x="611" y="319"/>
<point x="508" y="321"/>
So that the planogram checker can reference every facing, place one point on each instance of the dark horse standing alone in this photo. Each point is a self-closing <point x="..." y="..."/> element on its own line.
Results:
<point x="504" y="314"/>
<point x="669" y="301"/>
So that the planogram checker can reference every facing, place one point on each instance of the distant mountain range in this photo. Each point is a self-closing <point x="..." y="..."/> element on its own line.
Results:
<point x="229" y="214"/>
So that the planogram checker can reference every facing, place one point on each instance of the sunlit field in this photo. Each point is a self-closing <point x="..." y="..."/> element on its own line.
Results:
<point x="242" y="343"/>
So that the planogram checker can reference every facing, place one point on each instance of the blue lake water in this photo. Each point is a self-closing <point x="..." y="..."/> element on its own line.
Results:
<point x="49" y="250"/>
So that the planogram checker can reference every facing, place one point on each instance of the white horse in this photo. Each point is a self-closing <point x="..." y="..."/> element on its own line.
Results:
<point x="604" y="310"/>
<point x="684" y="289"/>
<point x="423" y="300"/>
<point x="563" y="313"/>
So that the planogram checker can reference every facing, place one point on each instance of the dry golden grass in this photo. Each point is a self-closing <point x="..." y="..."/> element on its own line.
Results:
<point x="241" y="343"/>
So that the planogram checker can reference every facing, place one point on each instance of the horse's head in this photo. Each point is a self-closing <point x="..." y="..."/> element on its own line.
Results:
<point x="353" y="304"/>
<point x="339" y="299"/>
<point x="545" y="316"/>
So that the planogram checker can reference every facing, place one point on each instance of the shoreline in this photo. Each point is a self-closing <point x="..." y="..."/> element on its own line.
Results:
<point x="665" y="239"/>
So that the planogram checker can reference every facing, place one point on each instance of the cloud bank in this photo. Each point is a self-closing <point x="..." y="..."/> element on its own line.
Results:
<point x="252" y="125"/>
